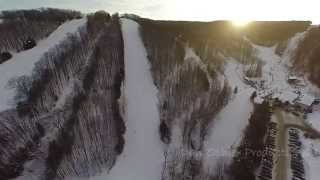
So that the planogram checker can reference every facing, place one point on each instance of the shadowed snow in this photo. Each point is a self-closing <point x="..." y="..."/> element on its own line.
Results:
<point x="24" y="62"/>
<point x="142" y="157"/>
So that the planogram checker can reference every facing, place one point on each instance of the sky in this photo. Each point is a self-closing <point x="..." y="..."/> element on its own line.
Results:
<point x="199" y="10"/>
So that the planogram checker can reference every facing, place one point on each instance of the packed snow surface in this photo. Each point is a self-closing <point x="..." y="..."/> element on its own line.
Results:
<point x="306" y="99"/>
<point x="227" y="128"/>
<point x="291" y="48"/>
<point x="276" y="73"/>
<point x="196" y="61"/>
<point x="23" y="63"/>
<point x="220" y="144"/>
<point x="314" y="119"/>
<point x="65" y="94"/>
<point x="142" y="157"/>
<point x="311" y="156"/>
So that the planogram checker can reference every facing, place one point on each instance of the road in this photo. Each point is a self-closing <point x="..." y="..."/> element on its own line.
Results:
<point x="285" y="121"/>
<point x="281" y="157"/>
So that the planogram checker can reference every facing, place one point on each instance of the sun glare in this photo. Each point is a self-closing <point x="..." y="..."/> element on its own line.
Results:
<point x="240" y="23"/>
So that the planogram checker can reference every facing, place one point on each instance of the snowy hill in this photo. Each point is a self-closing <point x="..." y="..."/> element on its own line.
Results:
<point x="100" y="96"/>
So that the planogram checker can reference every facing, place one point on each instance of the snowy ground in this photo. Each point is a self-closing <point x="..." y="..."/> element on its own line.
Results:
<point x="227" y="131"/>
<point x="274" y="75"/>
<point x="67" y="91"/>
<point x="196" y="61"/>
<point x="311" y="148"/>
<point x="291" y="47"/>
<point x="23" y="63"/>
<point x="275" y="72"/>
<point x="311" y="156"/>
<point x="314" y="119"/>
<point x="220" y="145"/>
<point x="234" y="75"/>
<point x="142" y="158"/>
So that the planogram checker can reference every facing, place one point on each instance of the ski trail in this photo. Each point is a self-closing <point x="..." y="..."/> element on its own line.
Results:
<point x="23" y="63"/>
<point x="142" y="157"/>
<point x="220" y="144"/>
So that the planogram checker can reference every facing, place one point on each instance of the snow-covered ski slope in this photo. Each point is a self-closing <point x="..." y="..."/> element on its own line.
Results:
<point x="142" y="157"/>
<point x="226" y="133"/>
<point x="276" y="70"/>
<point x="220" y="144"/>
<point x="226" y="130"/>
<point x="22" y="64"/>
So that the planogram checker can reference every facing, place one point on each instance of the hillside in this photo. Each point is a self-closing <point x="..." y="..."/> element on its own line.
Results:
<point x="102" y="96"/>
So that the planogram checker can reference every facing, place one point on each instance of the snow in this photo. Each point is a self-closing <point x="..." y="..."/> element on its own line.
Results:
<point x="311" y="156"/>
<point x="234" y="118"/>
<point x="291" y="48"/>
<point x="287" y="96"/>
<point x="314" y="119"/>
<point x="142" y="157"/>
<point x="68" y="90"/>
<point x="23" y="63"/>
<point x="258" y="100"/>
<point x="192" y="57"/>
<point x="306" y="99"/>
<point x="31" y="170"/>
<point x="220" y="145"/>
<point x="234" y="75"/>
<point x="275" y="73"/>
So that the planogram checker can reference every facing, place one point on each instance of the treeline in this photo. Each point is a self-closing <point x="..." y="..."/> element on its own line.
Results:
<point x="18" y="139"/>
<point x="269" y="33"/>
<point x="251" y="150"/>
<point x="193" y="31"/>
<point x="62" y="145"/>
<point x="66" y="64"/>
<point x="20" y="25"/>
<point x="307" y="54"/>
<point x="39" y="93"/>
<point x="90" y="62"/>
<point x="59" y="67"/>
<point x="210" y="40"/>
<point x="43" y="14"/>
<point x="190" y="92"/>
<point x="96" y="134"/>
<point x="35" y="97"/>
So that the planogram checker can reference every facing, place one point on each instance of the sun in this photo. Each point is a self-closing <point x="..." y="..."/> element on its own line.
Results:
<point x="240" y="23"/>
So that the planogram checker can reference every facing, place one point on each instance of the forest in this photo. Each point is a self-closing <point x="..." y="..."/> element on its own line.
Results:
<point x="20" y="25"/>
<point x="67" y="104"/>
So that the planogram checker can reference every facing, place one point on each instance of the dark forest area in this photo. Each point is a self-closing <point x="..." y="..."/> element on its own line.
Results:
<point x="59" y="128"/>
<point x="19" y="26"/>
